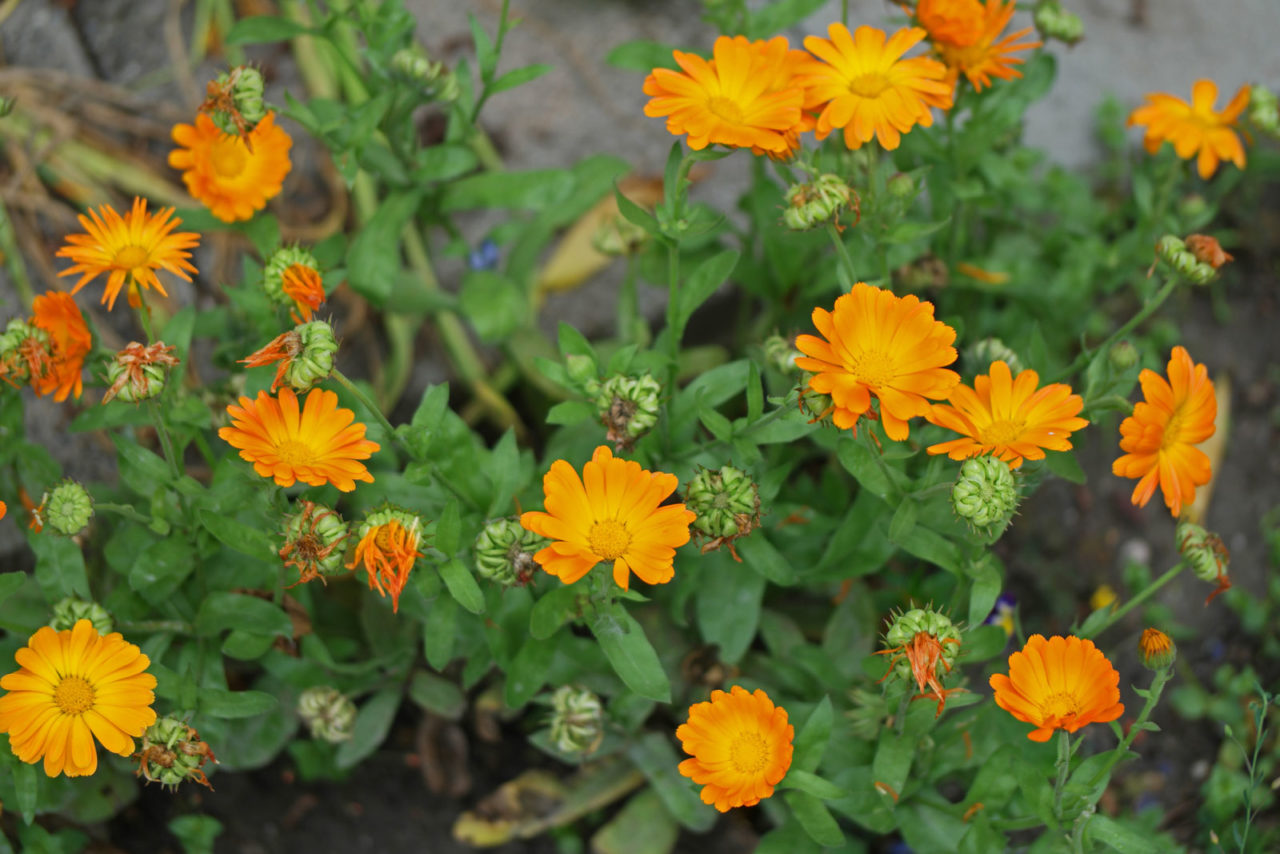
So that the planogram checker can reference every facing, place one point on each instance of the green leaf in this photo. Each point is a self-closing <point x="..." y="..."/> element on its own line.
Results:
<point x="448" y="528"/>
<point x="857" y="460"/>
<point x="653" y="754"/>
<point x="695" y="290"/>
<point x="493" y="303"/>
<point x="528" y="671"/>
<point x="437" y="694"/>
<point x="462" y="586"/>
<point x="635" y="214"/>
<point x="553" y="609"/>
<point x="26" y="787"/>
<point x="486" y="56"/>
<point x="760" y="555"/>
<point x="633" y="658"/>
<point x="60" y="567"/>
<point x="642" y="826"/>
<point x="518" y="77"/>
<point x="196" y="833"/>
<point x="443" y="162"/>
<point x="373" y="259"/>
<point x="814" y="818"/>
<point x="504" y="473"/>
<point x="373" y="722"/>
<point x="728" y="607"/>
<point x="11" y="582"/>
<point x="779" y="16"/>
<point x="894" y="755"/>
<point x="220" y="703"/>
<point x="1065" y="466"/>
<point x="439" y="632"/>
<point x="160" y="569"/>
<point x="641" y="55"/>
<point x="1120" y="837"/>
<point x="220" y="611"/>
<point x="260" y="29"/>
<point x="986" y="588"/>
<point x="806" y="781"/>
<point x="903" y="521"/>
<point x="717" y="424"/>
<point x="571" y="412"/>
<point x="238" y="536"/>
<point x="994" y="785"/>
<point x="140" y="469"/>
<point x="811" y="742"/>
<point x="983" y="642"/>
<point x="935" y="548"/>
<point x="534" y="189"/>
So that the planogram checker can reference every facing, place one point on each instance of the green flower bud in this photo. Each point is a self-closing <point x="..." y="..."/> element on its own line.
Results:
<point x="67" y="508"/>
<point x="314" y="361"/>
<point x="581" y="369"/>
<point x="1192" y="207"/>
<point x="1206" y="554"/>
<point x="273" y="273"/>
<point x="328" y="713"/>
<point x="727" y="503"/>
<point x="985" y="495"/>
<point x="989" y="350"/>
<point x="1174" y="252"/>
<point x="313" y="541"/>
<point x="628" y="406"/>
<point x="942" y="639"/>
<point x="1157" y="650"/>
<point x="412" y="65"/>
<point x="618" y="235"/>
<point x="17" y="343"/>
<point x="822" y="200"/>
<point x="817" y="405"/>
<point x="577" y="720"/>
<point x="868" y="713"/>
<point x="1122" y="356"/>
<point x="172" y="752"/>
<point x="241" y="92"/>
<point x="1054" y="22"/>
<point x="902" y="186"/>
<point x="69" y="611"/>
<point x="504" y="552"/>
<point x="1264" y="113"/>
<point x="781" y="353"/>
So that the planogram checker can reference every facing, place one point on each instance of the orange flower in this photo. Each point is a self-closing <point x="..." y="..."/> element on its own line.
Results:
<point x="877" y="343"/>
<point x="388" y="548"/>
<point x="74" y="686"/>
<point x="952" y="22"/>
<point x="1008" y="417"/>
<point x="130" y="248"/>
<point x="984" y="57"/>
<point x="234" y="176"/>
<point x="284" y="348"/>
<point x="57" y="314"/>
<point x="3" y="509"/>
<point x="302" y="285"/>
<point x="1194" y="128"/>
<point x="611" y="513"/>
<point x="1159" y="438"/>
<point x="746" y="96"/>
<point x="318" y="445"/>
<point x="741" y="747"/>
<point x="1059" y="683"/>
<point x="865" y="86"/>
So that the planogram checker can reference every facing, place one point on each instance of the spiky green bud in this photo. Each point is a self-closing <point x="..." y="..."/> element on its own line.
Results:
<point x="273" y="273"/>
<point x="986" y="494"/>
<point x="988" y="350"/>
<point x="1174" y="252"/>
<point x="172" y="752"/>
<point x="314" y="361"/>
<point x="726" y="500"/>
<point x="245" y="86"/>
<point x="328" y="713"/>
<point x="504" y="552"/>
<point x="69" y="611"/>
<point x="313" y="539"/>
<point x="906" y="626"/>
<point x="629" y="407"/>
<point x="902" y="186"/>
<point x="412" y="65"/>
<point x="1054" y="22"/>
<point x="820" y="201"/>
<point x="1264" y="113"/>
<point x="867" y="713"/>
<point x="1122" y="356"/>
<point x="1205" y="553"/>
<point x="577" y="720"/>
<point x="67" y="508"/>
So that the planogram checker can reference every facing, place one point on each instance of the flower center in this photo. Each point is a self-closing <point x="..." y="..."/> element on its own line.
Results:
<point x="749" y="753"/>
<point x="74" y="696"/>
<point x="228" y="157"/>
<point x="609" y="539"/>
<point x="874" y="368"/>
<point x="294" y="453"/>
<point x="1172" y="429"/>
<point x="131" y="257"/>
<point x="1061" y="706"/>
<point x="1000" y="432"/>
<point x="870" y="85"/>
<point x="726" y="109"/>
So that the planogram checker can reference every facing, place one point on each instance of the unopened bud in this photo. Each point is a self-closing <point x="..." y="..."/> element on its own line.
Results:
<point x="1157" y="649"/>
<point x="67" y="508"/>
<point x="1054" y="22"/>
<point x="328" y="713"/>
<point x="1192" y="207"/>
<point x="902" y="186"/>
<point x="817" y="405"/>
<point x="505" y="550"/>
<point x="581" y="369"/>
<point x="820" y="201"/>
<point x="1122" y="356"/>
<point x="1206" y="554"/>
<point x="313" y="541"/>
<point x="314" y="361"/>
<point x="1264" y="113"/>
<point x="237" y="93"/>
<point x="781" y="353"/>
<point x="629" y="407"/>
<point x="412" y="65"/>
<point x="1174" y="252"/>
<point x="171" y="753"/>
<point x="69" y="611"/>
<point x="727" y="503"/>
<point x="988" y="350"/>
<point x="577" y="720"/>
<point x="280" y="261"/>
<point x="985" y="495"/>
<point x="617" y="235"/>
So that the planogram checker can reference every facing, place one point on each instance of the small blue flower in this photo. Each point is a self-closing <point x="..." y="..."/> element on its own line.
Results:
<point x="1002" y="614"/>
<point x="485" y="256"/>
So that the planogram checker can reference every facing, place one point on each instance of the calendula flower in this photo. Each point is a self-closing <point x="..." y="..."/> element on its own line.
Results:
<point x="3" y="509"/>
<point x="57" y="314"/>
<point x="1008" y="417"/>
<point x="951" y="22"/>
<point x="137" y="374"/>
<point x="1059" y="683"/>
<point x="388" y="548"/>
<point x="313" y="541"/>
<point x="1156" y="649"/>
<point x="741" y="747"/>
<point x="1160" y="437"/>
<point x="865" y="86"/>
<point x="316" y="445"/>
<point x="305" y="354"/>
<point x="611" y="513"/>
<point x="74" y="686"/>
<point x="1195" y="129"/>
<point x="876" y="343"/>
<point x="745" y="97"/>
<point x="988" y="55"/>
<point x="234" y="176"/>
<point x="128" y="249"/>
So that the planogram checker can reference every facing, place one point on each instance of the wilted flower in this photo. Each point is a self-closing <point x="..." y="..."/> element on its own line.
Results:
<point x="291" y="277"/>
<point x="234" y="100"/>
<point x="1206" y="554"/>
<point x="1207" y="250"/>
<point x="172" y="752"/>
<point x="822" y="200"/>
<point x="26" y="353"/>
<point x="727" y="502"/>
<point x="305" y="354"/>
<point x="629" y="407"/>
<point x="313" y="540"/>
<point x="137" y="373"/>
<point x="327" y="712"/>
<point x="924" y="644"/>
<point x="388" y="549"/>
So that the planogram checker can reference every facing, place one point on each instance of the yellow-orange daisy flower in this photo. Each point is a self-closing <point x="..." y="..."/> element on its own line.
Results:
<point x="316" y="445"/>
<point x="74" y="686"/>
<point x="1008" y="417"/>
<point x="388" y="549"/>
<point x="302" y="284"/>
<point x="57" y="314"/>
<point x="876" y="343"/>
<point x="1195" y="129"/>
<point x="612" y="513"/>
<point x="1059" y="683"/>
<point x="745" y="97"/>
<point x="985" y="57"/>
<point x="865" y="86"/>
<point x="129" y="248"/>
<point x="3" y="509"/>
<point x="952" y="22"/>
<point x="741" y="747"/>
<point x="233" y="178"/>
<point x="1160" y="437"/>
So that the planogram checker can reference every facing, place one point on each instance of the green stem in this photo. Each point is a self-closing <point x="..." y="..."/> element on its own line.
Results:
<point x="180" y="627"/>
<point x="1137" y="600"/>
<point x="166" y="443"/>
<point x="842" y="252"/>
<point x="13" y="259"/>
<point x="1146" y="311"/>
<point x="1064" y="769"/>
<point x="371" y="407"/>
<point x="1161" y="678"/>
<point x="121" y="509"/>
<point x="844" y="12"/>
